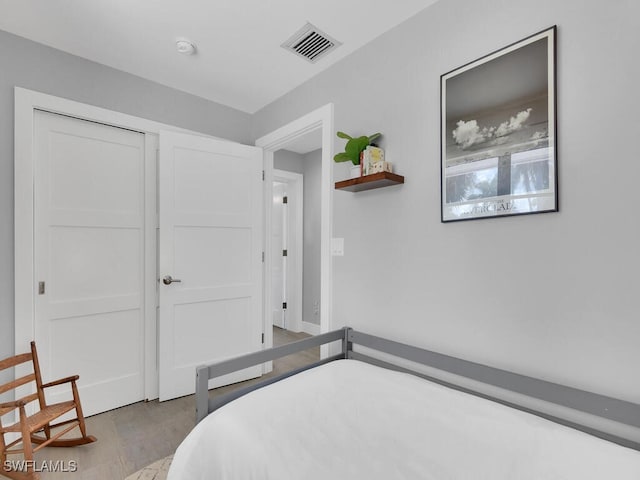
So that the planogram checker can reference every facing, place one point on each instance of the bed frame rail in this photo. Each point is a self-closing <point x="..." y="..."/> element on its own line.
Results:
<point x="620" y="411"/>
<point x="589" y="402"/>
<point x="626" y="413"/>
<point x="204" y="373"/>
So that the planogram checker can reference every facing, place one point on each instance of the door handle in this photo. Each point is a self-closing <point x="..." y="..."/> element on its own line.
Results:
<point x="168" y="280"/>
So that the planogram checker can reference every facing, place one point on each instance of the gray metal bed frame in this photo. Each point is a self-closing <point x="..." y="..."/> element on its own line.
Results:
<point x="609" y="408"/>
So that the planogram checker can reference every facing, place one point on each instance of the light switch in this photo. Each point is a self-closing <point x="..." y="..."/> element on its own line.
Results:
<point x="337" y="247"/>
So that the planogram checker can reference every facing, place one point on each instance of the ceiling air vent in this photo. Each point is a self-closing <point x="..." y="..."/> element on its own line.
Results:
<point x="311" y="43"/>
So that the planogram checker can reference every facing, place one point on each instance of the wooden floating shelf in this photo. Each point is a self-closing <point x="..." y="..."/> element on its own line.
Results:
<point x="368" y="182"/>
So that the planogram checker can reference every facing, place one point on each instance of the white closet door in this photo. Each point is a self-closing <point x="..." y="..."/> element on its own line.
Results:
<point x="211" y="246"/>
<point x="89" y="258"/>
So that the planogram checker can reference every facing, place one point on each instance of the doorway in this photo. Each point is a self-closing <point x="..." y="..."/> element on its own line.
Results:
<point x="316" y="125"/>
<point x="287" y="250"/>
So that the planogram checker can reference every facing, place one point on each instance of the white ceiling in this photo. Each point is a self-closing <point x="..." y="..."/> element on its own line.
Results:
<point x="239" y="62"/>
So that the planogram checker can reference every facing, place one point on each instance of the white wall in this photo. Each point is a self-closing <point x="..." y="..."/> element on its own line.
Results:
<point x="552" y="295"/>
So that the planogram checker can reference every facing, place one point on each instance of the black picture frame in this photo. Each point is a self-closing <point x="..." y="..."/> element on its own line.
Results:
<point x="498" y="152"/>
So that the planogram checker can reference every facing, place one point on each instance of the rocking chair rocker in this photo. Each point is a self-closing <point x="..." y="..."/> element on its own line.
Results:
<point x="36" y="428"/>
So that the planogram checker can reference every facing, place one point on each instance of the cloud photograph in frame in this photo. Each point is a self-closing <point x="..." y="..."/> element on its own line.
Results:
<point x="498" y="133"/>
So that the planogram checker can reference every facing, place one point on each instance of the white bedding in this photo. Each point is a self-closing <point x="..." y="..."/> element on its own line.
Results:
<point x="351" y="420"/>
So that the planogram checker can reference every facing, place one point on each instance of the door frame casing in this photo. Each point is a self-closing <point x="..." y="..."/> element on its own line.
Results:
<point x="26" y="103"/>
<point x="319" y="119"/>
<point x="295" y="234"/>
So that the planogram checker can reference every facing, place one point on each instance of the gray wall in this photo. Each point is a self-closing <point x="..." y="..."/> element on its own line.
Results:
<point x="551" y="295"/>
<point x="36" y="67"/>
<point x="312" y="182"/>
<point x="309" y="165"/>
<point x="288" y="161"/>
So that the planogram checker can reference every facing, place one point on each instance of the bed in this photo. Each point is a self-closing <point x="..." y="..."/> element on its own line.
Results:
<point x="358" y="417"/>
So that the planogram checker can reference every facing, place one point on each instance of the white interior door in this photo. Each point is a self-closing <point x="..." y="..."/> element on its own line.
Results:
<point x="278" y="260"/>
<point x="287" y="234"/>
<point x="89" y="258"/>
<point x="210" y="196"/>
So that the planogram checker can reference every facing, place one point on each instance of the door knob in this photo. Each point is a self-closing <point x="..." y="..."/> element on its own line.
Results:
<point x="168" y="280"/>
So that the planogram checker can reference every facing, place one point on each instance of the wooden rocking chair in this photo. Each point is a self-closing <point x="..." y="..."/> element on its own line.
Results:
<point x="36" y="428"/>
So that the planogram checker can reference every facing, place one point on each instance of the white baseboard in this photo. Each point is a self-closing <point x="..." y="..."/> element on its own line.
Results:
<point x="311" y="328"/>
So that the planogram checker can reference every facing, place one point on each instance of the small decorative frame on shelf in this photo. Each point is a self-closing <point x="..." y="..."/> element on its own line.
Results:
<point x="369" y="182"/>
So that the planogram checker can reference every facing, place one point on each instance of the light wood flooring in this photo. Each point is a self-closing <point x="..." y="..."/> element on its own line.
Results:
<point x="132" y="437"/>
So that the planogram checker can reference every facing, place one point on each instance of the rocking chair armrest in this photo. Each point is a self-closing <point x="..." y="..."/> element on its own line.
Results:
<point x="14" y="404"/>
<point x="61" y="381"/>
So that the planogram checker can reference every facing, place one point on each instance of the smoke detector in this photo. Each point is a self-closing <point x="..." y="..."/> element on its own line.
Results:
<point x="311" y="43"/>
<point x="185" y="46"/>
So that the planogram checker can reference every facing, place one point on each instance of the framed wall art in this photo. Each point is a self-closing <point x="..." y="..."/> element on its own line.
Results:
<point x="498" y="133"/>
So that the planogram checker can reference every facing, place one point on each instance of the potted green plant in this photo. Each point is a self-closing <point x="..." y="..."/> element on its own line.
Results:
<point x="352" y="150"/>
